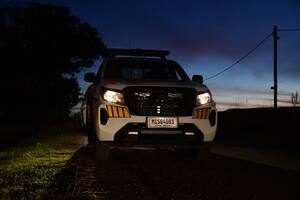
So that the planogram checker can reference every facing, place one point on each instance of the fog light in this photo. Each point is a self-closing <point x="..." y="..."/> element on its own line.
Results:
<point x="189" y="133"/>
<point x="132" y="133"/>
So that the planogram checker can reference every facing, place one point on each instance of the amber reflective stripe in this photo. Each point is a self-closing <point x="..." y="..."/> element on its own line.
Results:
<point x="195" y="114"/>
<point x="120" y="111"/>
<point x="204" y="113"/>
<point x="110" y="113"/>
<point x="199" y="112"/>
<point x="207" y="113"/>
<point x="115" y="111"/>
<point x="126" y="114"/>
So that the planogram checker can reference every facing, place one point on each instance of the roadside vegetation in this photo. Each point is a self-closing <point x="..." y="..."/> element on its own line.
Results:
<point x="28" y="172"/>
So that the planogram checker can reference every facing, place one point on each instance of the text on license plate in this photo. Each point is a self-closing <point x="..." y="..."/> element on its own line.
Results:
<point x="162" y="122"/>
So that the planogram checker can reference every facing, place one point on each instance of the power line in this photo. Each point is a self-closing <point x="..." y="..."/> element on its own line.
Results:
<point x="240" y="59"/>
<point x="292" y="29"/>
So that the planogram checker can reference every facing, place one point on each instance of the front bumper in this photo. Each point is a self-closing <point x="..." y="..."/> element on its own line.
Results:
<point x="192" y="130"/>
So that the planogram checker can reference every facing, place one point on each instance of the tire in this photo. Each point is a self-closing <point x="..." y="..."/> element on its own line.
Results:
<point x="90" y="128"/>
<point x="204" y="152"/>
<point x="101" y="151"/>
<point x="91" y="135"/>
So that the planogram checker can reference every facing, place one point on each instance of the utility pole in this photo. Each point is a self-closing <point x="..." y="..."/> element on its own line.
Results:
<point x="275" y="86"/>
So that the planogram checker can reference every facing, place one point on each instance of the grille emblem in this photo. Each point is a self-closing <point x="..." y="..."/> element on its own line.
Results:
<point x="175" y="95"/>
<point x="142" y="94"/>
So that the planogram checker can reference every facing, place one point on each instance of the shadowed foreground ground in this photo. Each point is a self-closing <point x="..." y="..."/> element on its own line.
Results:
<point x="58" y="165"/>
<point x="158" y="174"/>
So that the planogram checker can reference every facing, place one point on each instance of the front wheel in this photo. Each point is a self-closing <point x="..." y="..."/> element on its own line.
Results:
<point x="90" y="126"/>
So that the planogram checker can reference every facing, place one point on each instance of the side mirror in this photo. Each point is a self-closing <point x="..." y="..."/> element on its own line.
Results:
<point x="197" y="78"/>
<point x="81" y="97"/>
<point x="90" y="77"/>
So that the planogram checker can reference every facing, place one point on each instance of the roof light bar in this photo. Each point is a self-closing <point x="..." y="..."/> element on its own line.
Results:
<point x="137" y="52"/>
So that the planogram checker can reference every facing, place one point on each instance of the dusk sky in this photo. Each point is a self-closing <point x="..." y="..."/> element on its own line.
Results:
<point x="206" y="37"/>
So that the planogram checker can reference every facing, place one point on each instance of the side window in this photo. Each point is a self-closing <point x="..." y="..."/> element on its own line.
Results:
<point x="170" y="72"/>
<point x="178" y="77"/>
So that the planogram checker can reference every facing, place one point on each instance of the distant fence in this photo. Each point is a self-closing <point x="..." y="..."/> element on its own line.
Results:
<point x="264" y="127"/>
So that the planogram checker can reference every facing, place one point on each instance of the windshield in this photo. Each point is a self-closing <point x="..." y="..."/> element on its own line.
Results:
<point x="144" y="70"/>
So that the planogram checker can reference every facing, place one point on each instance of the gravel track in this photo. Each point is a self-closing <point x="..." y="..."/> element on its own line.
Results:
<point x="163" y="174"/>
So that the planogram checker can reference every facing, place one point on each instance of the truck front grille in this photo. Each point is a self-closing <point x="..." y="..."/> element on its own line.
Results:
<point x="160" y="101"/>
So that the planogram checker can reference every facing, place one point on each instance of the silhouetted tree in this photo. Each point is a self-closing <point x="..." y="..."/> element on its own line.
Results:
<point x="41" y="49"/>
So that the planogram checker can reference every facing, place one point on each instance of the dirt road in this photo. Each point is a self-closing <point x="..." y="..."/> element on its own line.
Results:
<point x="162" y="174"/>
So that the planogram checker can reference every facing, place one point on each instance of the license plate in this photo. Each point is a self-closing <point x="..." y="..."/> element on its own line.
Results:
<point x="162" y="122"/>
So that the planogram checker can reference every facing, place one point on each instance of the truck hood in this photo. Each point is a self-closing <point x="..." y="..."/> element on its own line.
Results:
<point x="120" y="85"/>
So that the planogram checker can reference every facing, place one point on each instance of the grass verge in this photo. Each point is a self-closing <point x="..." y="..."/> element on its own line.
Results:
<point x="26" y="172"/>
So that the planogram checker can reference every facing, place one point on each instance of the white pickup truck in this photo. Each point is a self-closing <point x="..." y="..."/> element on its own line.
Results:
<point x="141" y="98"/>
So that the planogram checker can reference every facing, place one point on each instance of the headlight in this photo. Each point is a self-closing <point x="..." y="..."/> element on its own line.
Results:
<point x="114" y="97"/>
<point x="203" y="99"/>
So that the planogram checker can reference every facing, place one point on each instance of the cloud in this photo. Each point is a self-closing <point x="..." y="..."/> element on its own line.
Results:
<point x="207" y="43"/>
<point x="251" y="92"/>
<point x="184" y="35"/>
<point x="292" y="72"/>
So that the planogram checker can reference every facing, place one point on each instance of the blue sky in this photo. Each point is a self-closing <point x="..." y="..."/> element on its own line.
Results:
<point x="205" y="37"/>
